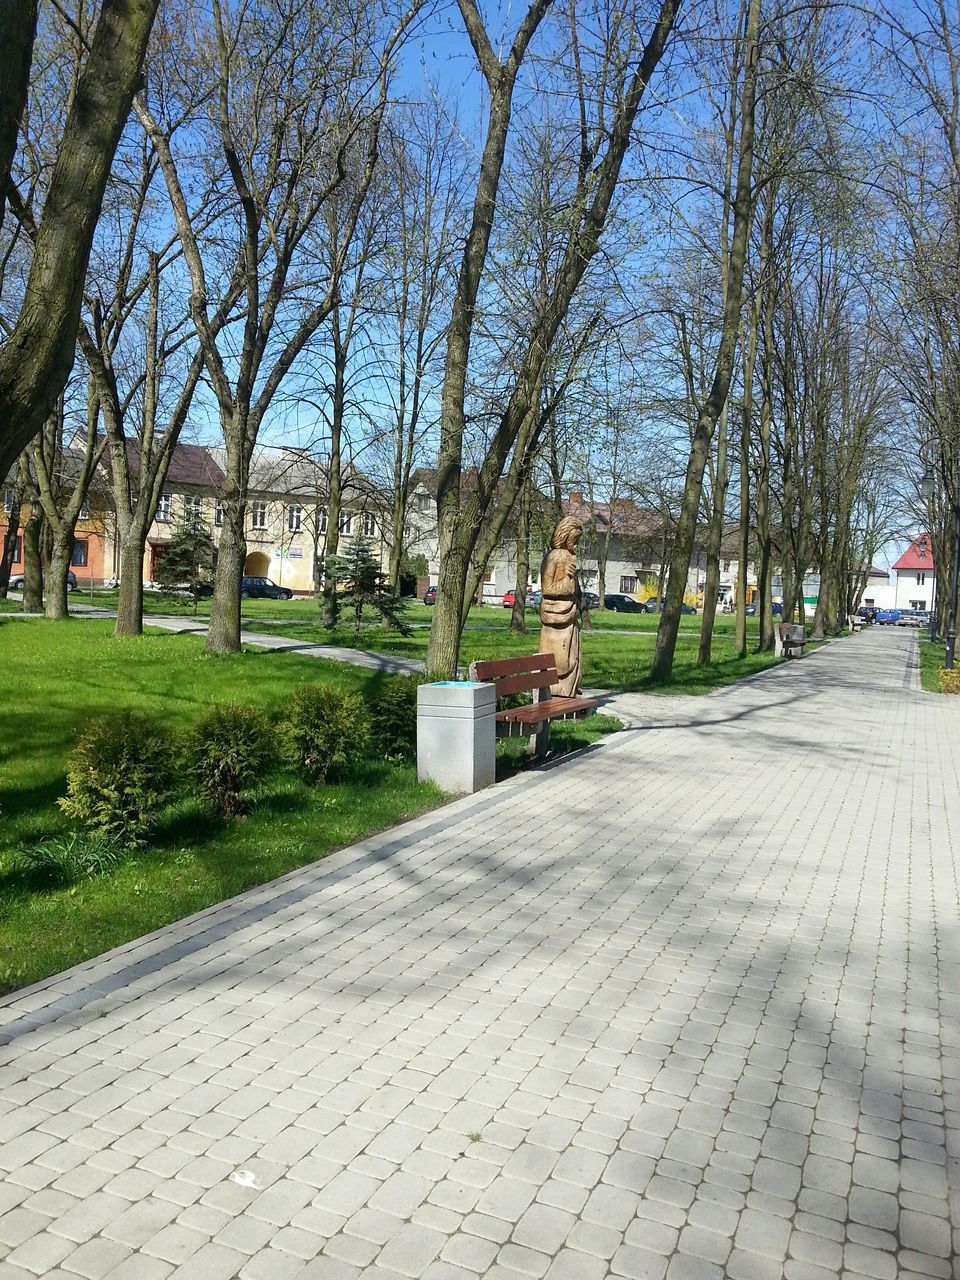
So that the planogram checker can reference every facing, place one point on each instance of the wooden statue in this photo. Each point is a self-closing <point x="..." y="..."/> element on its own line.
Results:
<point x="559" y="632"/>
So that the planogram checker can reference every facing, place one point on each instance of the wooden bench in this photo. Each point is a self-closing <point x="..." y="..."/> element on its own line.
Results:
<point x="530" y="675"/>
<point x="792" y="639"/>
<point x="856" y="623"/>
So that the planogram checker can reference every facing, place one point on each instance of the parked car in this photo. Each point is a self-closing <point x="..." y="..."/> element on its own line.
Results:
<point x="590" y="600"/>
<point x="16" y="582"/>
<point x="867" y="613"/>
<point x="656" y="606"/>
<point x="531" y="599"/>
<point x="430" y="595"/>
<point x="888" y="617"/>
<point x="617" y="603"/>
<point x="263" y="589"/>
<point x="913" y="618"/>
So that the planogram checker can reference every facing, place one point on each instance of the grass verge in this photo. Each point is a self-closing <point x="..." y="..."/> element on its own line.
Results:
<point x="62" y="675"/>
<point x="932" y="653"/>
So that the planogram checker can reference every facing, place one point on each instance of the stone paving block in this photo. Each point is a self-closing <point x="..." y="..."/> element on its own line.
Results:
<point x="669" y="1049"/>
<point x="638" y="1264"/>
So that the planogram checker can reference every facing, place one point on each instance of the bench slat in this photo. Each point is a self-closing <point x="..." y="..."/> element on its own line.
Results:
<point x="501" y="667"/>
<point x="525" y="684"/>
<point x="549" y="709"/>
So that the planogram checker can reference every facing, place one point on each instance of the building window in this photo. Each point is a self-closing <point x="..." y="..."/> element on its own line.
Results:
<point x="192" y="506"/>
<point x="80" y="548"/>
<point x="84" y="512"/>
<point x="164" y="508"/>
<point x="369" y="524"/>
<point x="294" y="518"/>
<point x="18" y="550"/>
<point x="218" y="512"/>
<point x="628" y="584"/>
<point x="258" y="515"/>
<point x="921" y="579"/>
<point x="322" y="519"/>
<point x="345" y="523"/>
<point x="424" y="502"/>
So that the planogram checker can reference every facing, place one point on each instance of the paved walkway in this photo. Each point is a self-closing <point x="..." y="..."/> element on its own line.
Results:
<point x="686" y="1005"/>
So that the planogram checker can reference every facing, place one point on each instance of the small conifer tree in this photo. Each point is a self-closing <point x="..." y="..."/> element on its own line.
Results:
<point x="364" y="585"/>
<point x="188" y="559"/>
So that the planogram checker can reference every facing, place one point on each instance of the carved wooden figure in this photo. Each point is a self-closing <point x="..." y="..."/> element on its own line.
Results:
<point x="559" y="629"/>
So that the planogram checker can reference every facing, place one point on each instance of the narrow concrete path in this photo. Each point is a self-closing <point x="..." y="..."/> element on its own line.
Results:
<point x="684" y="1006"/>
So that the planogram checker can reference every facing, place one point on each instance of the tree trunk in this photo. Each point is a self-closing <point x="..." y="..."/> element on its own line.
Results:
<point x="746" y="433"/>
<point x="764" y="544"/>
<point x="334" y="504"/>
<point x="9" y="546"/>
<point x="32" y="563"/>
<point x="223" y="634"/>
<point x="711" y="585"/>
<point x="518" y="620"/>
<point x="13" y="529"/>
<point x="130" y="602"/>
<point x="58" y="566"/>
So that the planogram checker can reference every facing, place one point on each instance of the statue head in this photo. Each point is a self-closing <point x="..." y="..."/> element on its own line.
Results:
<point x="567" y="534"/>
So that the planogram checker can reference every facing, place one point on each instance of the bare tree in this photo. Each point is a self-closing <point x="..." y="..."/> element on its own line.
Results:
<point x="603" y="147"/>
<point x="38" y="352"/>
<point x="299" y="100"/>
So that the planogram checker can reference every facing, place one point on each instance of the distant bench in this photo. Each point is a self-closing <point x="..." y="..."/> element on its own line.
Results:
<point x="530" y="675"/>
<point x="856" y="623"/>
<point x="792" y="639"/>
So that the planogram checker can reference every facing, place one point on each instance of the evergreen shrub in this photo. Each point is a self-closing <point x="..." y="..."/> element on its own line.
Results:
<point x="119" y="777"/>
<point x="229" y="749"/>
<point x="328" y="731"/>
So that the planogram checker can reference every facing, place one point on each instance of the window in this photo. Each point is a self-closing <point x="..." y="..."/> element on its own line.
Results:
<point x="322" y="519"/>
<point x="218" y="512"/>
<point x="369" y="524"/>
<point x="84" y="512"/>
<point x="726" y="566"/>
<point x="8" y="500"/>
<point x="424" y="502"/>
<point x="345" y="523"/>
<point x="192" y="506"/>
<point x="18" y="550"/>
<point x="294" y="518"/>
<point x="628" y="585"/>
<point x="921" y="579"/>
<point x="164" y="508"/>
<point x="80" y="548"/>
<point x="258" y="515"/>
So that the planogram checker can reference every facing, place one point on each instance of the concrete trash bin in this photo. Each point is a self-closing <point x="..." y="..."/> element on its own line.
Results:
<point x="456" y="735"/>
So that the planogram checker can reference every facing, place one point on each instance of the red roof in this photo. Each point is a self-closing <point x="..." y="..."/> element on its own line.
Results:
<point x="919" y="555"/>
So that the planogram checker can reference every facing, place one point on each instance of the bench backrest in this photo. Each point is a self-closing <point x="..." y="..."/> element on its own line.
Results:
<point x="517" y="675"/>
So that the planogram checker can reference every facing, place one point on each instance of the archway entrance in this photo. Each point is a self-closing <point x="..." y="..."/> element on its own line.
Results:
<point x="256" y="565"/>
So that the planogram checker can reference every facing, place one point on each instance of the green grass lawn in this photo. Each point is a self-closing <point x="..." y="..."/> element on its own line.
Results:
<point x="610" y="660"/>
<point x="932" y="653"/>
<point x="62" y="675"/>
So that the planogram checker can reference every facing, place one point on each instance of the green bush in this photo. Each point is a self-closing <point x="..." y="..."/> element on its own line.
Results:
<point x="62" y="860"/>
<point x="229" y="749"/>
<point x="119" y="777"/>
<point x="328" y="731"/>
<point x="393" y="717"/>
